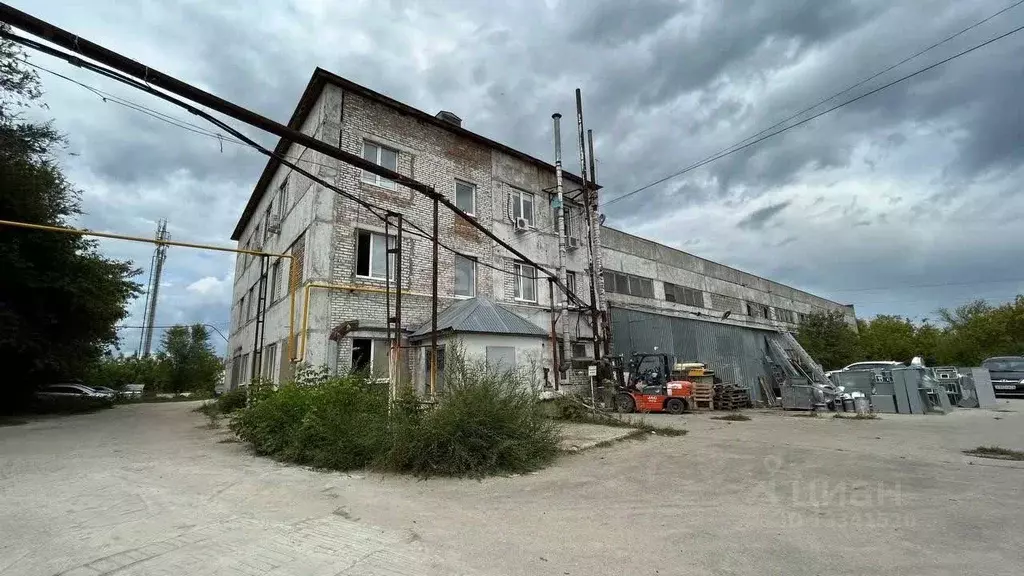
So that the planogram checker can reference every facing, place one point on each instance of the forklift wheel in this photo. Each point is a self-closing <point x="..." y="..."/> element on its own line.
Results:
<point x="624" y="403"/>
<point x="675" y="406"/>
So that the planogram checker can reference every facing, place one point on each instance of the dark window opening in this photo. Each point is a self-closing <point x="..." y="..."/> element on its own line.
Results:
<point x="361" y="353"/>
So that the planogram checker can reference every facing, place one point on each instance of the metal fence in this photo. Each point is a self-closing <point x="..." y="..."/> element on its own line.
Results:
<point x="735" y="353"/>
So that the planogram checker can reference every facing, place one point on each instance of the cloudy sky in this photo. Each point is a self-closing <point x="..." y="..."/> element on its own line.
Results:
<point x="900" y="203"/>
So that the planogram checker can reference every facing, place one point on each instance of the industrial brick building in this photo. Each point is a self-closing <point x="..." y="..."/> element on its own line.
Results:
<point x="339" y="250"/>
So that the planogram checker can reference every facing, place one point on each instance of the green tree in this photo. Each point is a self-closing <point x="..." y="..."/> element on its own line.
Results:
<point x="188" y="360"/>
<point x="887" y="338"/>
<point x="59" y="299"/>
<point x="829" y="339"/>
<point x="978" y="330"/>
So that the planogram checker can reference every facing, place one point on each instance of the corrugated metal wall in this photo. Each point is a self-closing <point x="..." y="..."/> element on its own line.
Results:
<point x="736" y="353"/>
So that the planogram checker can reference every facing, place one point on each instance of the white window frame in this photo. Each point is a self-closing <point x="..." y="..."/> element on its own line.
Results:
<point x="374" y="179"/>
<point x="275" y="280"/>
<point x="571" y="281"/>
<point x="517" y="199"/>
<point x="472" y="261"/>
<point x="282" y="198"/>
<point x="520" y="279"/>
<point x="377" y="346"/>
<point x="472" y="189"/>
<point x="389" y="257"/>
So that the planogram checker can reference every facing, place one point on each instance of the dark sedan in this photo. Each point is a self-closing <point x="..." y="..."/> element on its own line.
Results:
<point x="1007" y="374"/>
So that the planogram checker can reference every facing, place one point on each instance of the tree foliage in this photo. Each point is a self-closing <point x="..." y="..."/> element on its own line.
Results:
<point x="188" y="360"/>
<point x="829" y="339"/>
<point x="185" y="362"/>
<point x="968" y="335"/>
<point x="60" y="300"/>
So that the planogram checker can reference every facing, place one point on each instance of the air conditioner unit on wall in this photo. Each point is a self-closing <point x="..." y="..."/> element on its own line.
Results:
<point x="522" y="224"/>
<point x="274" y="224"/>
<point x="573" y="243"/>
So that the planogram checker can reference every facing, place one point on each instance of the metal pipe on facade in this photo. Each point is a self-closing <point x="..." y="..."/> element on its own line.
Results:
<point x="433" y="305"/>
<point x="560" y="225"/>
<point x="590" y="201"/>
<point x="303" y="336"/>
<point x="554" y="338"/>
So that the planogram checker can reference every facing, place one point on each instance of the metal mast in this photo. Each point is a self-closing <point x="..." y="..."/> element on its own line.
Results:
<point x="159" y="255"/>
<point x="560" y="224"/>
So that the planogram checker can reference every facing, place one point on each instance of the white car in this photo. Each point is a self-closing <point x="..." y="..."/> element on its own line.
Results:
<point x="869" y="365"/>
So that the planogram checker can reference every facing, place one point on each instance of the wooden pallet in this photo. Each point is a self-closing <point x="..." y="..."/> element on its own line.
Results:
<point x="731" y="397"/>
<point x="703" y="404"/>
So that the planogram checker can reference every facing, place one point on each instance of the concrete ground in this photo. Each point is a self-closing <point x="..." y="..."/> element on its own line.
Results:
<point x="147" y="489"/>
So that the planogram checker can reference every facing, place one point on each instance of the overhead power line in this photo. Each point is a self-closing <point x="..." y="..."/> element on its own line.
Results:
<point x="243" y="140"/>
<point x="766" y="133"/>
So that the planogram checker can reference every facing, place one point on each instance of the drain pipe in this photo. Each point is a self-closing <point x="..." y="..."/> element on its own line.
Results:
<point x="560" y="224"/>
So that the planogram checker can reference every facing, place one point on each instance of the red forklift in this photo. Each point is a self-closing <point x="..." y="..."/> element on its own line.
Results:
<point x="656" y="383"/>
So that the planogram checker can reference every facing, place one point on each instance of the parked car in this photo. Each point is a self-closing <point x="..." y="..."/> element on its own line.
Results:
<point x="869" y="365"/>
<point x="71" y="397"/>
<point x="1007" y="373"/>
<point x="104" y="390"/>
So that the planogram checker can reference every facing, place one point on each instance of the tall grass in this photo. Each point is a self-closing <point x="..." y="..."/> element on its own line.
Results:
<point x="484" y="423"/>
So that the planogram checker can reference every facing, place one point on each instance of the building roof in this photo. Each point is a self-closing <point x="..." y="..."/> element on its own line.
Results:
<point x="309" y="97"/>
<point x="480" y="315"/>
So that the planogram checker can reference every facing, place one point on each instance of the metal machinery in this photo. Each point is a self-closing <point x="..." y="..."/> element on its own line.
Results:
<point x="657" y="383"/>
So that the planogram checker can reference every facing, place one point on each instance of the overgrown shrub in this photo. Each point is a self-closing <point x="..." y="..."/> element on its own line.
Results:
<point x="230" y="401"/>
<point x="346" y="425"/>
<point x="484" y="423"/>
<point x="272" y="425"/>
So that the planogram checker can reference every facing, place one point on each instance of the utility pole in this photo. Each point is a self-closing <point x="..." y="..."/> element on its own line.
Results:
<point x="593" y="237"/>
<point x="155" y="271"/>
<point x="560" y="224"/>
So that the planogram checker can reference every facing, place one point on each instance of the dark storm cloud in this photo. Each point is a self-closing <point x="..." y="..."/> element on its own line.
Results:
<point x="760" y="218"/>
<point x="665" y="84"/>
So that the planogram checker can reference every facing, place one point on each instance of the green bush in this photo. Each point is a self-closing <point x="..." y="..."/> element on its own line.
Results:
<point x="272" y="425"/>
<point x="230" y="401"/>
<point x="346" y="425"/>
<point x="484" y="423"/>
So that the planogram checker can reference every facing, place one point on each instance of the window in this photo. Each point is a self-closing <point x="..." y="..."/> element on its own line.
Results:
<point x="370" y="354"/>
<point x="371" y="255"/>
<point x="266" y="221"/>
<point x="526" y="283"/>
<point x="275" y="280"/>
<point x="465" y="276"/>
<point x="567" y="214"/>
<point x="465" y="197"/>
<point x="245" y="366"/>
<point x="620" y="283"/>
<point x="501" y="358"/>
<point x="383" y="157"/>
<point x="248" y="309"/>
<point x="785" y="315"/>
<point x="570" y="281"/>
<point x="438" y="376"/>
<point x="298" y="252"/>
<point x="522" y="205"/>
<point x="269" y="354"/>
<point x="579" y="350"/>
<point x="282" y="198"/>
<point x="684" y="295"/>
<point x="241" y="311"/>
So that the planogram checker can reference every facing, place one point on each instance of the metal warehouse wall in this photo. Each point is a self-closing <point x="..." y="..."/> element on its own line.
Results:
<point x="736" y="353"/>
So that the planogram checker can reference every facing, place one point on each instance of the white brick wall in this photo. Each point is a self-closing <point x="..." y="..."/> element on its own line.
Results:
<point x="432" y="155"/>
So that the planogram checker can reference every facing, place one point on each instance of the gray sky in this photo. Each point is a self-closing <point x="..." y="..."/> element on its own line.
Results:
<point x="900" y="203"/>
